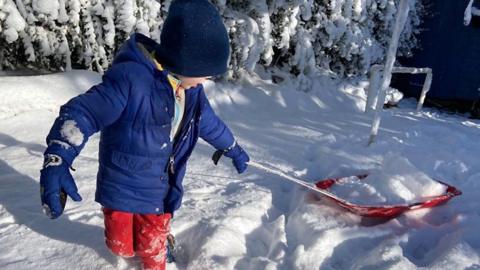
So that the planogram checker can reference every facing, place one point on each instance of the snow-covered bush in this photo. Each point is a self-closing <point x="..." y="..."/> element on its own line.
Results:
<point x="299" y="37"/>
<point x="59" y="34"/>
<point x="305" y="37"/>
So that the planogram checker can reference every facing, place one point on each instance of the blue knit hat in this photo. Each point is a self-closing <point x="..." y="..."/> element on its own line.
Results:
<point x="194" y="41"/>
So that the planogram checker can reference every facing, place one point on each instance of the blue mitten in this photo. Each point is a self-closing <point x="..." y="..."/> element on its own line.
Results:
<point x="56" y="182"/>
<point x="239" y="157"/>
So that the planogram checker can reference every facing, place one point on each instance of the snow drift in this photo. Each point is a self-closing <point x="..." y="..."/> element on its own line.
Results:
<point x="255" y="220"/>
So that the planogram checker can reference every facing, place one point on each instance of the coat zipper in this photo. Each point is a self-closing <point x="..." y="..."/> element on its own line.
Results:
<point x="176" y="147"/>
<point x="180" y="136"/>
<point x="172" y="164"/>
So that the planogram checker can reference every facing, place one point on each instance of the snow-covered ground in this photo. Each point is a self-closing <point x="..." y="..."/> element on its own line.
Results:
<point x="254" y="220"/>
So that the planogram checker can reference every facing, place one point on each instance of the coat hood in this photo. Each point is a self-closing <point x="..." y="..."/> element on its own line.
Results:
<point x="130" y="52"/>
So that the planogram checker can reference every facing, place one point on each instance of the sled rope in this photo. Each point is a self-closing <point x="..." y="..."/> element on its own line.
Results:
<point x="190" y="174"/>
<point x="293" y="179"/>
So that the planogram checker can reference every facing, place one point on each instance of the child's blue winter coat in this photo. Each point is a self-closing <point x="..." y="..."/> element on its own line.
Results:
<point x="133" y="107"/>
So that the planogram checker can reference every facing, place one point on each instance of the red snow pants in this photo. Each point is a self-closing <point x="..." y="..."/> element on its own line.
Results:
<point x="144" y="235"/>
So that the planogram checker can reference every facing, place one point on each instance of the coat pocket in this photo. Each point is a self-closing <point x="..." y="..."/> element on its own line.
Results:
<point x="154" y="138"/>
<point x="132" y="163"/>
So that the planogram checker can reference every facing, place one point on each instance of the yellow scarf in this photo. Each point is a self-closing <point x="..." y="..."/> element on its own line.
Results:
<point x="179" y="100"/>
<point x="174" y="82"/>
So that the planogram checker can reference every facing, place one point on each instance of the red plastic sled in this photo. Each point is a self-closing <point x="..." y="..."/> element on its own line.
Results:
<point x="385" y="211"/>
<point x="382" y="211"/>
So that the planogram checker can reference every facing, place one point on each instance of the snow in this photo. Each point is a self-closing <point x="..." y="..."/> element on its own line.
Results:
<point x="472" y="9"/>
<point x="14" y="22"/>
<point x="126" y="15"/>
<point x="71" y="132"/>
<point x="467" y="17"/>
<point x="393" y="96"/>
<point x="42" y="94"/>
<point x="342" y="36"/>
<point x="46" y="6"/>
<point x="475" y="11"/>
<point x="396" y="181"/>
<point x="63" y="144"/>
<point x="256" y="220"/>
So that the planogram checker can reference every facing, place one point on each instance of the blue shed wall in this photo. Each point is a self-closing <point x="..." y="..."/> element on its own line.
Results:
<point x="451" y="49"/>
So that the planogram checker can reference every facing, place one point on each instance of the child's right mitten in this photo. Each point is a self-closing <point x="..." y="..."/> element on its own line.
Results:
<point x="56" y="182"/>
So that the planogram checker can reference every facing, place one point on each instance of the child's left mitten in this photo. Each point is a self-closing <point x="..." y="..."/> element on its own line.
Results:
<point x="239" y="157"/>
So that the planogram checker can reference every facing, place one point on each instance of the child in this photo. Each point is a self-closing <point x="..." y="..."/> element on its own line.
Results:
<point x="150" y="108"/>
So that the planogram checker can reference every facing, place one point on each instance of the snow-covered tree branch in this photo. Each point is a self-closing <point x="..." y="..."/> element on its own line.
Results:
<point x="299" y="37"/>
